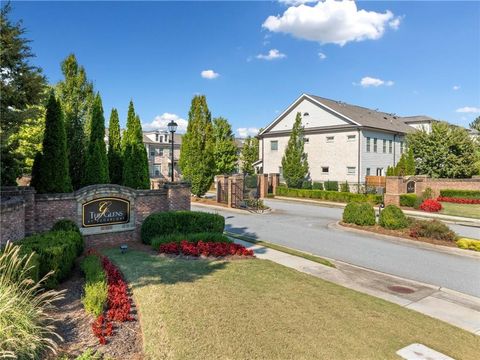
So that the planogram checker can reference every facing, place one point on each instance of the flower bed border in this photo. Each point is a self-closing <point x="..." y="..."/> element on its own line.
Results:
<point x="207" y="249"/>
<point x="456" y="200"/>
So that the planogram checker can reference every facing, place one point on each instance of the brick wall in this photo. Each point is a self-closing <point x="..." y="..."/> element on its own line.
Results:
<point x="49" y="208"/>
<point x="12" y="221"/>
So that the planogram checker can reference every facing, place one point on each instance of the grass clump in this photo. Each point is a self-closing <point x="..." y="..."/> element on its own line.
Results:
<point x="392" y="217"/>
<point x="96" y="290"/>
<point x="359" y="213"/>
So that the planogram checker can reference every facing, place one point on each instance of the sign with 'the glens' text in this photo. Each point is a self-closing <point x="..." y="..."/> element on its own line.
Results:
<point x="105" y="211"/>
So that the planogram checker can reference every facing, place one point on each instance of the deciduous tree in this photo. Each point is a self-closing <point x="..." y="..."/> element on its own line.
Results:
<point x="225" y="148"/>
<point x="475" y="124"/>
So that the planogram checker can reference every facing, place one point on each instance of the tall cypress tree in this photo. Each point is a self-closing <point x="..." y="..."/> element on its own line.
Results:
<point x="51" y="168"/>
<point x="135" y="159"/>
<point x="225" y="150"/>
<point x="96" y="171"/>
<point x="196" y="156"/>
<point x="294" y="162"/>
<point x="249" y="155"/>
<point x="114" y="149"/>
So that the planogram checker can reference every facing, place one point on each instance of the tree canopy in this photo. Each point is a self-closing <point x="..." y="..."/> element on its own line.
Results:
<point x="294" y="161"/>
<point x="249" y="155"/>
<point x="114" y="149"/>
<point x="225" y="148"/>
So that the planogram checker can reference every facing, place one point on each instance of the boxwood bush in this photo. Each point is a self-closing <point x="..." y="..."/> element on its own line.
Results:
<point x="408" y="200"/>
<point x="466" y="194"/>
<point x="359" y="213"/>
<point x="392" y="217"/>
<point x="195" y="238"/>
<point x="65" y="225"/>
<point x="328" y="195"/>
<point x="180" y="222"/>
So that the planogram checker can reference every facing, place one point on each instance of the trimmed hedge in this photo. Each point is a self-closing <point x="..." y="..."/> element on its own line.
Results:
<point x="193" y="238"/>
<point x="359" y="213"/>
<point x="331" y="185"/>
<point x="392" y="217"/>
<point x="317" y="186"/>
<point x="466" y="194"/>
<point x="96" y="290"/>
<point x="56" y="250"/>
<point x="329" y="195"/>
<point x="180" y="222"/>
<point x="408" y="200"/>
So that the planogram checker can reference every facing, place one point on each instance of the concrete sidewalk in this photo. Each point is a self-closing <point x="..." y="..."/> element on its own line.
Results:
<point x="447" y="305"/>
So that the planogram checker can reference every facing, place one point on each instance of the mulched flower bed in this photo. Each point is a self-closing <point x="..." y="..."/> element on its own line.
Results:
<point x="458" y="200"/>
<point x="205" y="249"/>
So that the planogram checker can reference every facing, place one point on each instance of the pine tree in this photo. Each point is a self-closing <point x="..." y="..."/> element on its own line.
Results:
<point x="475" y="124"/>
<point x="294" y="162"/>
<point x="135" y="158"/>
<point x="51" y="168"/>
<point x="114" y="149"/>
<point x="76" y="94"/>
<point x="249" y="155"/>
<point x="96" y="171"/>
<point x="225" y="149"/>
<point x="196" y="157"/>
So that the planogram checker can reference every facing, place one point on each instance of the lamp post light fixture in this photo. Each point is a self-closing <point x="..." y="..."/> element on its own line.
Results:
<point x="172" y="127"/>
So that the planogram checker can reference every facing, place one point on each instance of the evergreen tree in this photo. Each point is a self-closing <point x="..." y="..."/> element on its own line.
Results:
<point x="390" y="171"/>
<point x="400" y="168"/>
<point x="135" y="158"/>
<point x="96" y="170"/>
<point x="22" y="89"/>
<point x="294" y="162"/>
<point x="51" y="168"/>
<point x="249" y="155"/>
<point x="475" y="124"/>
<point x="196" y="157"/>
<point x="225" y="149"/>
<point x="114" y="149"/>
<point x="76" y="94"/>
<point x="410" y="163"/>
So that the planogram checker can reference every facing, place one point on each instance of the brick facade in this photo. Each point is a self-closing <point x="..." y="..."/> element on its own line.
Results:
<point x="12" y="221"/>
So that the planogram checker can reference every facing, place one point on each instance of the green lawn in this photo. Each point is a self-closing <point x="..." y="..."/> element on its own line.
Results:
<point x="256" y="309"/>
<point x="465" y="210"/>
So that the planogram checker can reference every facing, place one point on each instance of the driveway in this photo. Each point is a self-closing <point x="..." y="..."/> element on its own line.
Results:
<point x="306" y="227"/>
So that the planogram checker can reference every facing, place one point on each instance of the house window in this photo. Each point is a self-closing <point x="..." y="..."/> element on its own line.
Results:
<point x="274" y="145"/>
<point x="351" y="137"/>
<point x="351" y="170"/>
<point x="390" y="146"/>
<point x="374" y="144"/>
<point x="156" y="137"/>
<point x="325" y="169"/>
<point x="384" y="146"/>
<point x="368" y="171"/>
<point x="161" y="138"/>
<point x="368" y="144"/>
<point x="379" y="171"/>
<point x="152" y="153"/>
<point x="330" y="138"/>
<point x="159" y="151"/>
<point x="401" y="147"/>
<point x="157" y="170"/>
<point x="306" y="140"/>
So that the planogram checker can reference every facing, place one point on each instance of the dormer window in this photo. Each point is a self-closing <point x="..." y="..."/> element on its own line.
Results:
<point x="161" y="138"/>
<point x="156" y="137"/>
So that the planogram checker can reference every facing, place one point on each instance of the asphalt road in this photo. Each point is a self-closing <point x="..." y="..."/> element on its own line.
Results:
<point x="306" y="227"/>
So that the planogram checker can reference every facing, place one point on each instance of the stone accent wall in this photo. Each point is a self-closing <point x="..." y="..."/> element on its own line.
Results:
<point x="12" y="221"/>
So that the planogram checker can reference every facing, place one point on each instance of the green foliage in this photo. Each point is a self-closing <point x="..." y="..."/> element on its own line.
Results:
<point x="96" y="171"/>
<point x="95" y="289"/>
<point x="390" y="171"/>
<point x="469" y="244"/>
<point x="225" y="148"/>
<point x="433" y="229"/>
<point x="65" y="225"/>
<point x="359" y="213"/>
<point x="115" y="165"/>
<point x="392" y="217"/>
<point x="22" y="89"/>
<point x="192" y="237"/>
<point x="331" y="185"/>
<point x="446" y="152"/>
<point x="475" y="124"/>
<point x="75" y="93"/>
<point x="344" y="187"/>
<point x="180" y="222"/>
<point x="306" y="184"/>
<point x="135" y="159"/>
<point x="408" y="200"/>
<point x="468" y="194"/>
<point x="427" y="194"/>
<point x="249" y="155"/>
<point x="26" y="328"/>
<point x="328" y="195"/>
<point x="56" y="250"/>
<point x="317" y="185"/>
<point x="404" y="167"/>
<point x="51" y="174"/>
<point x="197" y="152"/>
<point x="90" y="354"/>
<point x="294" y="161"/>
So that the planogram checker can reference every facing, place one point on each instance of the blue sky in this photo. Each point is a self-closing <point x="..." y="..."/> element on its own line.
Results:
<point x="404" y="57"/>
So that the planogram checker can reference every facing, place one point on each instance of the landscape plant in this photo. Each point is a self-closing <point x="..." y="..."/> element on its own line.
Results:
<point x="225" y="148"/>
<point x="192" y="237"/>
<point x="344" y="187"/>
<point x="468" y="194"/>
<point x="458" y="200"/>
<point x="249" y="155"/>
<point x="65" y="225"/>
<point x="216" y="249"/>
<point x="392" y="217"/>
<point x="317" y="185"/>
<point x="358" y="213"/>
<point x="330" y="185"/>
<point x="328" y="195"/>
<point x="431" y="205"/>
<point x="433" y="229"/>
<point x="408" y="200"/>
<point x="115" y="161"/>
<point x="469" y="244"/>
<point x="95" y="290"/>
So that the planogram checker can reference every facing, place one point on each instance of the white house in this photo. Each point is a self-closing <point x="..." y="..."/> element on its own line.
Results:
<point x="343" y="142"/>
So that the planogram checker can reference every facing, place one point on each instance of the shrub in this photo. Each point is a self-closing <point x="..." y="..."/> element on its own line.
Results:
<point x="431" y="205"/>
<point x="344" y="187"/>
<point x="329" y="195"/>
<point x="468" y="194"/>
<point x="205" y="249"/>
<point x="469" y="244"/>
<point x="194" y="238"/>
<point x="458" y="200"/>
<point x="307" y="184"/>
<point x="331" y="185"/>
<point x="317" y="185"/>
<point x="427" y="194"/>
<point x="359" y="213"/>
<point x="56" y="251"/>
<point x="95" y="289"/>
<point x="26" y="329"/>
<point x="180" y="222"/>
<point x="392" y="217"/>
<point x="65" y="225"/>
<point x="408" y="200"/>
<point x="431" y="229"/>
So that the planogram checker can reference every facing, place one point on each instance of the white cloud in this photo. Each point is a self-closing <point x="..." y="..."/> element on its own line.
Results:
<point x="245" y="132"/>
<point x="160" y="123"/>
<point x="469" y="109"/>
<point x="322" y="56"/>
<point x="209" y="74"/>
<point x="296" y="2"/>
<point x="395" y="23"/>
<point x="331" y="21"/>
<point x="272" y="55"/>
<point x="456" y="87"/>
<point x="368" y="81"/>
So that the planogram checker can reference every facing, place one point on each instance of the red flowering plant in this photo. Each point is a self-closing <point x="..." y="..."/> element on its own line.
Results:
<point x="431" y="205"/>
<point x="458" y="200"/>
<point x="203" y="248"/>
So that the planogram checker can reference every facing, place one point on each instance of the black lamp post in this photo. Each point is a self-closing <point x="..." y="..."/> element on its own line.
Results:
<point x="172" y="127"/>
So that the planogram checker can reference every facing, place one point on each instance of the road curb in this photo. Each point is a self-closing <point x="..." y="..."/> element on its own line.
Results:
<point x="418" y="244"/>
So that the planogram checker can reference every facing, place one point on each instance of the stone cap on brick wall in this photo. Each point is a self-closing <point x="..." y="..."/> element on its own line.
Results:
<point x="11" y="203"/>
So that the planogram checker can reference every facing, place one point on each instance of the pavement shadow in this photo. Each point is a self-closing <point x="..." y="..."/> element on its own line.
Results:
<point x="243" y="232"/>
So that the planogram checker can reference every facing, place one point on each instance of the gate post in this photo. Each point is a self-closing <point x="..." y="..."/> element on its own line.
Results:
<point x="263" y="179"/>
<point x="275" y="182"/>
<point x="230" y="200"/>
